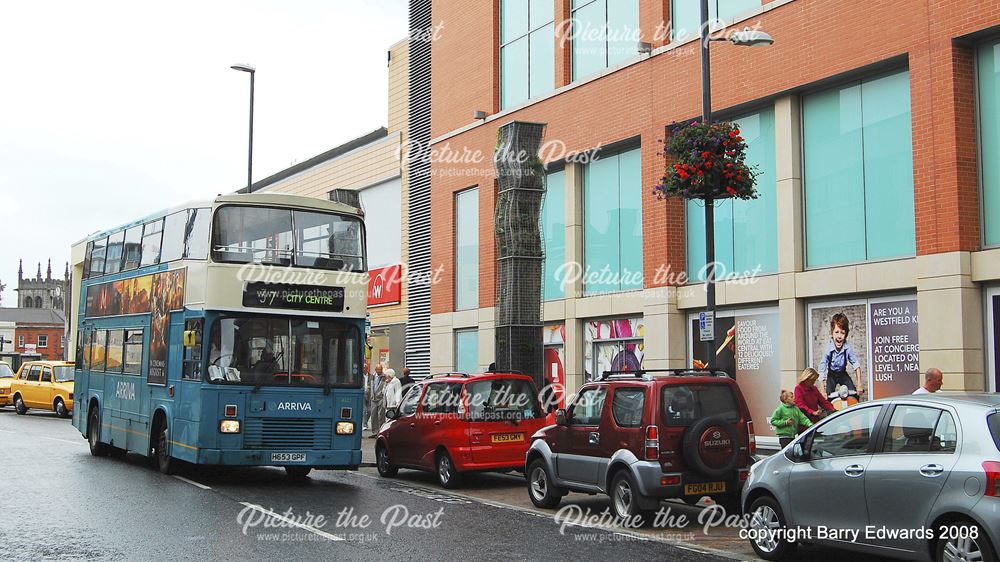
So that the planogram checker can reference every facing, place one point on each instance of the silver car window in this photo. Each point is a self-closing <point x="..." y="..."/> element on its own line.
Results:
<point x="911" y="429"/>
<point x="847" y="434"/>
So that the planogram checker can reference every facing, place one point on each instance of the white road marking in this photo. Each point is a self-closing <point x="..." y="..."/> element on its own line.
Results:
<point x="292" y="522"/>
<point x="193" y="483"/>
<point x="63" y="440"/>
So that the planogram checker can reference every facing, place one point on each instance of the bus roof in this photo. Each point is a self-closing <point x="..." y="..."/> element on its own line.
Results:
<point x="279" y="199"/>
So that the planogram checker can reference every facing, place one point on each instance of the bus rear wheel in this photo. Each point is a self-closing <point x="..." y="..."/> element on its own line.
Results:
<point x="297" y="471"/>
<point x="97" y="448"/>
<point x="161" y="449"/>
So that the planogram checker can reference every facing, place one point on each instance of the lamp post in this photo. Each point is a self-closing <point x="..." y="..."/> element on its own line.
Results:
<point x="251" y="70"/>
<point x="746" y="38"/>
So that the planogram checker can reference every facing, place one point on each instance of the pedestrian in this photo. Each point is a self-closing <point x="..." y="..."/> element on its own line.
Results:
<point x="406" y="381"/>
<point x="809" y="399"/>
<point x="788" y="418"/>
<point x="376" y="399"/>
<point x="838" y="357"/>
<point x="393" y="389"/>
<point x="933" y="382"/>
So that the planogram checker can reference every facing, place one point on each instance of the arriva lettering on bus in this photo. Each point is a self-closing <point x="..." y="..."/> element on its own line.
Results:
<point x="298" y="406"/>
<point x="125" y="391"/>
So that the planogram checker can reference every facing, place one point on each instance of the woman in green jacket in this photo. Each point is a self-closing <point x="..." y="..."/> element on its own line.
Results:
<point x="787" y="418"/>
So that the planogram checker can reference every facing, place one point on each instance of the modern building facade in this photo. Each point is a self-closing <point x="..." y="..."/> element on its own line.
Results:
<point x="875" y="129"/>
<point x="372" y="165"/>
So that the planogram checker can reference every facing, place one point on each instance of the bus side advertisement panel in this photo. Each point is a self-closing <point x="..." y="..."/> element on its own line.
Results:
<point x="167" y="295"/>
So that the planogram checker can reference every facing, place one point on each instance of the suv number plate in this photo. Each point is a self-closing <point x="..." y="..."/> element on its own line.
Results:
<point x="704" y="488"/>
<point x="507" y="437"/>
<point x="288" y="457"/>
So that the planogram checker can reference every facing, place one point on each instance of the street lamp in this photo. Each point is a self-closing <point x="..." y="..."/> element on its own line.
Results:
<point x="251" y="70"/>
<point x="746" y="38"/>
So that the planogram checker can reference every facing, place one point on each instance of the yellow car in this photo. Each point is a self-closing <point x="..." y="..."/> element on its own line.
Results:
<point x="6" y="377"/>
<point x="46" y="385"/>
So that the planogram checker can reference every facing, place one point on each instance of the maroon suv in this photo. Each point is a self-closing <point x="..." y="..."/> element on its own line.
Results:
<point x="641" y="438"/>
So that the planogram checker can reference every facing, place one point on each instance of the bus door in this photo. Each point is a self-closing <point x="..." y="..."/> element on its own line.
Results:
<point x="187" y="398"/>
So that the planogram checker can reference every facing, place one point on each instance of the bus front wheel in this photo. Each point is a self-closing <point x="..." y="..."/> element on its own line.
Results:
<point x="161" y="450"/>
<point x="97" y="448"/>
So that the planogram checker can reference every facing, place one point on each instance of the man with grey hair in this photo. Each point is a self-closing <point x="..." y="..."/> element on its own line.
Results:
<point x="375" y="396"/>
<point x="933" y="382"/>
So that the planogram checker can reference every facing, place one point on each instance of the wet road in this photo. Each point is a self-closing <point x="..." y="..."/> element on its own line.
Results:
<point x="59" y="502"/>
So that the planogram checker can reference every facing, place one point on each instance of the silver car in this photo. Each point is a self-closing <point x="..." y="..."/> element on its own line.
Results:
<point x="912" y="477"/>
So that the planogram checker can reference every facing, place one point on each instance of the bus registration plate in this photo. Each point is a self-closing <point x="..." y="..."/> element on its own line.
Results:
<point x="288" y="457"/>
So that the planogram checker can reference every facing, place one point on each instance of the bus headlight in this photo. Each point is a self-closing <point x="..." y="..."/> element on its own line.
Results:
<point x="345" y="428"/>
<point x="229" y="426"/>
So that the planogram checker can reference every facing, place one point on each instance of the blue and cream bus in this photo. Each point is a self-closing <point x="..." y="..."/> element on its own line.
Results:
<point x="229" y="332"/>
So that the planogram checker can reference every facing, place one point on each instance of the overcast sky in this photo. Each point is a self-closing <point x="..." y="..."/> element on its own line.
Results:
<point x="110" y="110"/>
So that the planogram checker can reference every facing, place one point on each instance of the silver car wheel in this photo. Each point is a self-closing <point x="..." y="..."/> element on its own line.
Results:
<point x="539" y="484"/>
<point x="962" y="550"/>
<point x="765" y="524"/>
<point x="623" y="498"/>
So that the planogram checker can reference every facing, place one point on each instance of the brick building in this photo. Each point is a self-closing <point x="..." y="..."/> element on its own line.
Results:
<point x="36" y="330"/>
<point x="876" y="130"/>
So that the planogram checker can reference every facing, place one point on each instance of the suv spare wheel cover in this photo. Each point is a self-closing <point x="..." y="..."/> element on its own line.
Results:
<point x="711" y="445"/>
<point x="716" y="446"/>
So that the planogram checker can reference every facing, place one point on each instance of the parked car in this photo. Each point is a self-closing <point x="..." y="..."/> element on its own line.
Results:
<point x="641" y="438"/>
<point x="913" y="477"/>
<point x="46" y="385"/>
<point x="6" y="377"/>
<point x="457" y="423"/>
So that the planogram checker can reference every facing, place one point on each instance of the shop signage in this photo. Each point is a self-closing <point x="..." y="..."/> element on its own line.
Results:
<point x="385" y="285"/>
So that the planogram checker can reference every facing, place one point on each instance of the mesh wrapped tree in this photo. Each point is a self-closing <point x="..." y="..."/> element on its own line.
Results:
<point x="521" y="183"/>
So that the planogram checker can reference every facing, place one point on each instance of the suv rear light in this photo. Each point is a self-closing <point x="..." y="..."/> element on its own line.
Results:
<point x="752" y="437"/>
<point x="652" y="443"/>
<point x="992" y="469"/>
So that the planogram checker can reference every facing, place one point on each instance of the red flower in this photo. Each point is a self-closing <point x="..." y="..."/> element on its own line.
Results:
<point x="708" y="164"/>
<point x="706" y="154"/>
<point x="730" y="190"/>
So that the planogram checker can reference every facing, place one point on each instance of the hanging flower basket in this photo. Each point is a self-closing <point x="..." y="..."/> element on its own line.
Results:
<point x="706" y="161"/>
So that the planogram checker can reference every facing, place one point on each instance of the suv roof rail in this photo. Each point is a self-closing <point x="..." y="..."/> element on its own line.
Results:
<point x="692" y="372"/>
<point x="449" y="374"/>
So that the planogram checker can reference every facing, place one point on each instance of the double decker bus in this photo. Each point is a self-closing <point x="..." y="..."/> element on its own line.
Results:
<point x="225" y="332"/>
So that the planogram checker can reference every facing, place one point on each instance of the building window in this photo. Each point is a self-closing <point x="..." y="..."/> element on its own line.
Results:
<point x="28" y="302"/>
<point x="612" y="209"/>
<point x="383" y="215"/>
<point x="43" y="340"/>
<point x="554" y="235"/>
<point x="20" y="341"/>
<point x="746" y="232"/>
<point x="604" y="33"/>
<point x="38" y="302"/>
<point x="686" y="15"/>
<point x="466" y="351"/>
<point x="859" y="172"/>
<point x="527" y="50"/>
<point x="467" y="249"/>
<point x="989" y="133"/>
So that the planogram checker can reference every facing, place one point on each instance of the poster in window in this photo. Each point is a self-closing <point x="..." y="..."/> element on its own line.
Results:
<point x="167" y="295"/>
<point x="895" y="348"/>
<point x="613" y="345"/>
<point x="823" y="347"/>
<point x="554" y="342"/>
<point x="746" y="346"/>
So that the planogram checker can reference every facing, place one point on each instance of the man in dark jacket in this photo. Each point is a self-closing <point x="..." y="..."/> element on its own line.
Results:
<point x="406" y="380"/>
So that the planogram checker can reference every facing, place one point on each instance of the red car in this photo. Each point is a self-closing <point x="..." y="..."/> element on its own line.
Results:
<point x="456" y="423"/>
